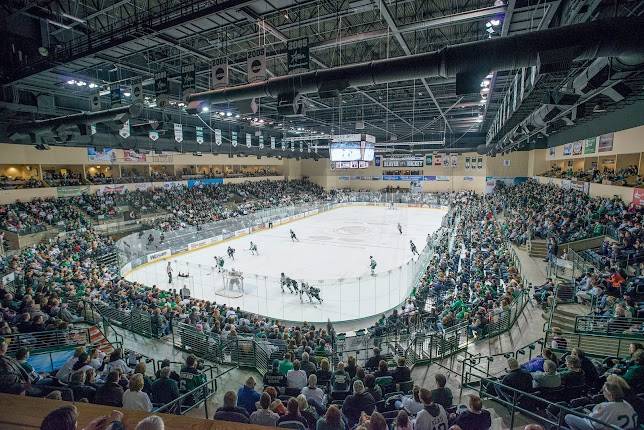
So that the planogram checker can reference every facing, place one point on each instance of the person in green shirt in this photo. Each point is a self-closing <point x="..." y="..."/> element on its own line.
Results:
<point x="635" y="372"/>
<point x="286" y="364"/>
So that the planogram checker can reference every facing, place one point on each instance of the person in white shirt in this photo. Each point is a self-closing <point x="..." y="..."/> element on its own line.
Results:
<point x="296" y="378"/>
<point x="116" y="362"/>
<point x="313" y="393"/>
<point x="65" y="371"/>
<point x="134" y="398"/>
<point x="433" y="415"/>
<point x="614" y="411"/>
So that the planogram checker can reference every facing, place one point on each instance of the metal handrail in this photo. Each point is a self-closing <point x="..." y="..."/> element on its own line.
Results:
<point x="50" y="339"/>
<point x="593" y="344"/>
<point x="608" y="325"/>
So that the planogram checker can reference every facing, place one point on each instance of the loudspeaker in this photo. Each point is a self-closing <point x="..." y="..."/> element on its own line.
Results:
<point x="95" y="102"/>
<point x="137" y="92"/>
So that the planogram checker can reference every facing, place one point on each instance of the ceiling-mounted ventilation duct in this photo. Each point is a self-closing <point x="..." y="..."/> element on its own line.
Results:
<point x="612" y="37"/>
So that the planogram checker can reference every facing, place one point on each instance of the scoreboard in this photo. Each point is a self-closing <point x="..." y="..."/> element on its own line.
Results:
<point x="403" y="162"/>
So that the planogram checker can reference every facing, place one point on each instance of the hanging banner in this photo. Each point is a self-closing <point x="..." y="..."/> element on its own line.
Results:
<point x="160" y="83"/>
<point x="233" y="138"/>
<point x="577" y="147"/>
<point x="248" y="140"/>
<point x="187" y="80"/>
<point x="467" y="162"/>
<point x="480" y="163"/>
<point x="429" y="159"/>
<point x="638" y="197"/>
<point x="256" y="65"/>
<point x="217" y="137"/>
<point x="606" y="142"/>
<point x="272" y="142"/>
<point x="199" y="134"/>
<point x="283" y="146"/>
<point x="154" y="135"/>
<point x="454" y="160"/>
<point x="92" y="129"/>
<point x="446" y="161"/>
<point x="105" y="155"/>
<point x="567" y="149"/>
<point x="178" y="132"/>
<point x="308" y="148"/>
<point x="125" y="130"/>
<point x="438" y="159"/>
<point x="220" y="77"/>
<point x="506" y="163"/>
<point x="301" y="147"/>
<point x="315" y="147"/>
<point x="297" y="53"/>
<point x="132" y="155"/>
<point x="377" y="160"/>
<point x="292" y="146"/>
<point x="261" y="141"/>
<point x="590" y="145"/>
<point x="115" y="95"/>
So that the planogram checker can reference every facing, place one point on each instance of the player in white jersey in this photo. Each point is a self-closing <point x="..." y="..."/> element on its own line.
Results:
<point x="372" y="265"/>
<point x="253" y="248"/>
<point x="412" y="245"/>
<point x="399" y="228"/>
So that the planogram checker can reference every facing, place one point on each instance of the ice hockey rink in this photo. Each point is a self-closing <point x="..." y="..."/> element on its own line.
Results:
<point x="332" y="254"/>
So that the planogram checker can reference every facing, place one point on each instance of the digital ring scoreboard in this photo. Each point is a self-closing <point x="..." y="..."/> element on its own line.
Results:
<point x="352" y="147"/>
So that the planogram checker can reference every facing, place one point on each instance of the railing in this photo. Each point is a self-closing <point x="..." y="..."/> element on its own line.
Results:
<point x="549" y="414"/>
<point x="592" y="344"/>
<point x="615" y="326"/>
<point x="52" y="339"/>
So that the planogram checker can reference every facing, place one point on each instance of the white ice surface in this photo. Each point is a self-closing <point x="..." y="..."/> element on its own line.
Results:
<point x="332" y="254"/>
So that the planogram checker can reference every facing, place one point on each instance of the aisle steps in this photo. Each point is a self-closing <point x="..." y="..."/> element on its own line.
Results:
<point x="538" y="248"/>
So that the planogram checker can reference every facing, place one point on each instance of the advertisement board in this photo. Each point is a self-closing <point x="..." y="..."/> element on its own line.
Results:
<point x="209" y="181"/>
<point x="160" y="254"/>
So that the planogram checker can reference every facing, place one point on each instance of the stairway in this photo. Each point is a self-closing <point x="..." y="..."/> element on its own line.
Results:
<point x="563" y="318"/>
<point x="538" y="248"/>
<point x="98" y="339"/>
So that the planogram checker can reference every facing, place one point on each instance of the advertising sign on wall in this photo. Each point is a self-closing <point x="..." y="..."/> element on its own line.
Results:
<point x="590" y="145"/>
<point x="567" y="149"/>
<point x="210" y="181"/>
<point x="577" y="147"/>
<point x="638" y="197"/>
<point x="106" y="155"/>
<point x="606" y="142"/>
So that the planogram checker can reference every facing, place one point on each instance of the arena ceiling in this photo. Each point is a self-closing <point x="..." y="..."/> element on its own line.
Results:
<point x="52" y="46"/>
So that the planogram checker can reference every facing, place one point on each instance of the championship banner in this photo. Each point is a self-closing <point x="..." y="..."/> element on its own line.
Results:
<point x="606" y="142"/>
<point x="248" y="140"/>
<point x="92" y="129"/>
<point x="220" y="76"/>
<point x="506" y="163"/>
<point x="256" y="65"/>
<point x="454" y="160"/>
<point x="590" y="145"/>
<point x="115" y="95"/>
<point x="160" y="83"/>
<point x="153" y="135"/>
<point x="301" y="148"/>
<point x="187" y="79"/>
<point x="199" y="134"/>
<point x="438" y="159"/>
<point x="283" y="145"/>
<point x="429" y="159"/>
<point x="467" y="162"/>
<point x="124" y="132"/>
<point x="272" y="142"/>
<point x="577" y="147"/>
<point x="308" y="148"/>
<point x="233" y="139"/>
<point x="261" y="141"/>
<point x="218" y="137"/>
<point x="446" y="161"/>
<point x="292" y="146"/>
<point x="297" y="53"/>
<point x="178" y="132"/>
<point x="480" y="162"/>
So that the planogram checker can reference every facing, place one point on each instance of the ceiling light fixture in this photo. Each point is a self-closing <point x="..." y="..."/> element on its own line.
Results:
<point x="205" y="109"/>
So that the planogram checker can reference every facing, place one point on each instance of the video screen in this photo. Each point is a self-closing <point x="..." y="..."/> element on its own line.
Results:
<point x="344" y="151"/>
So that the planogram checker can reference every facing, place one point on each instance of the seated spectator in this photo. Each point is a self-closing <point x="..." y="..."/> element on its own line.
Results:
<point x="372" y="388"/>
<point x="373" y="362"/>
<point x="357" y="403"/>
<point x="296" y="378"/>
<point x="293" y="413"/>
<point x="634" y="374"/>
<point x="403" y="422"/>
<point x="286" y="364"/>
<point x="147" y="381"/>
<point x="340" y="379"/>
<point x="307" y="365"/>
<point x="264" y="416"/>
<point x="412" y="404"/>
<point x="590" y="371"/>
<point x="134" y="397"/>
<point x="230" y="412"/>
<point x="442" y="395"/>
<point x="66" y="417"/>
<point x="164" y="389"/>
<point x="307" y="411"/>
<point x="313" y="394"/>
<point x="116" y="362"/>
<point x="274" y="378"/>
<point x="79" y="388"/>
<point x="110" y="393"/>
<point x="474" y="417"/>
<point x="614" y="411"/>
<point x="432" y="415"/>
<point x="401" y="373"/>
<point x="152" y="422"/>
<point x="516" y="378"/>
<point x="332" y="420"/>
<point x="65" y="371"/>
<point x="173" y="375"/>
<point x="383" y="370"/>
<point x="324" y="373"/>
<point x="549" y="378"/>
<point x="247" y="396"/>
<point x="191" y="377"/>
<point x="351" y="366"/>
<point x="573" y="376"/>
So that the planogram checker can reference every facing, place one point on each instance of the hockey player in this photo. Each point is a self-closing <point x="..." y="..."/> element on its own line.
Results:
<point x="220" y="263"/>
<point x="293" y="236"/>
<point x="231" y="252"/>
<point x="253" y="248"/>
<point x="315" y="293"/>
<point x="372" y="264"/>
<point x="303" y="289"/>
<point x="294" y="288"/>
<point x="412" y="245"/>
<point x="168" y="270"/>
<point x="399" y="228"/>
<point x="285" y="282"/>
